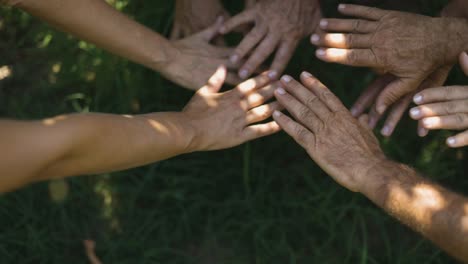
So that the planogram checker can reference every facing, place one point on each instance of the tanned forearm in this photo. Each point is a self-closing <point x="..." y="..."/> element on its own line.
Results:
<point x="83" y="144"/>
<point x="97" y="22"/>
<point x="435" y="212"/>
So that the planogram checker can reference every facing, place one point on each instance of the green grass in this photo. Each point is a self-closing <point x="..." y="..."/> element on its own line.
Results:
<point x="262" y="202"/>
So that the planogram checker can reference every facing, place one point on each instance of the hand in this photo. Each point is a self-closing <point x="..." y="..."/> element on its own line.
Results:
<point x="445" y="108"/>
<point x="333" y="138"/>
<point x="192" y="16"/>
<point x="279" y="25"/>
<point x="411" y="47"/>
<point x="224" y="120"/>
<point x="195" y="59"/>
<point x="396" y="112"/>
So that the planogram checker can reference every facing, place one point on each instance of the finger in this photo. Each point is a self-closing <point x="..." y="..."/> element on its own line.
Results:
<point x="457" y="122"/>
<point x="261" y="96"/>
<point x="176" y="33"/>
<point x="263" y="112"/>
<point x="374" y="118"/>
<point x="233" y="79"/>
<point x="439" y="109"/>
<point x="252" y="84"/>
<point x="247" y="16"/>
<point x="457" y="141"/>
<point x="351" y="57"/>
<point x="211" y="32"/>
<point x="342" y="41"/>
<point x="464" y="62"/>
<point x="305" y="96"/>
<point x="394" y="92"/>
<point x="370" y="13"/>
<point x="395" y="115"/>
<point x="248" y="43"/>
<point x="366" y="99"/>
<point x="348" y="25"/>
<point x="215" y="82"/>
<point x="261" y="53"/>
<point x="422" y="132"/>
<point x="283" y="56"/>
<point x="261" y="130"/>
<point x="441" y="94"/>
<point x="300" y="112"/>
<point x="298" y="132"/>
<point x="322" y="92"/>
<point x="364" y="121"/>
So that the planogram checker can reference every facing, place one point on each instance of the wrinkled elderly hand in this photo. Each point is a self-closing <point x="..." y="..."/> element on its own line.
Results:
<point x="445" y="108"/>
<point x="224" y="120"/>
<point x="194" y="60"/>
<point x="411" y="47"/>
<point x="333" y="138"/>
<point x="278" y="25"/>
<point x="456" y="8"/>
<point x="192" y="16"/>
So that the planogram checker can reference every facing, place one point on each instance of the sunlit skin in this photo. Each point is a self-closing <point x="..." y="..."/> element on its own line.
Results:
<point x="70" y="145"/>
<point x="445" y="108"/>
<point x="415" y="51"/>
<point x="188" y="62"/>
<point x="278" y="28"/>
<point x="349" y="152"/>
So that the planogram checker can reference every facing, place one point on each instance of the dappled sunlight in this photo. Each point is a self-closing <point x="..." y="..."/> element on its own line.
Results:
<point x="54" y="120"/>
<point x="337" y="39"/>
<point x="158" y="126"/>
<point x="336" y="53"/>
<point x="5" y="72"/>
<point x="109" y="201"/>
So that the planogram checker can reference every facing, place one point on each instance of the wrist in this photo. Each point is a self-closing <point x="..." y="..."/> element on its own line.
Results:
<point x="456" y="40"/>
<point x="164" y="56"/>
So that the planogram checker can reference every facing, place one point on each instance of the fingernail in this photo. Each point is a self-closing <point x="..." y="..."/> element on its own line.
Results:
<point x="323" y="23"/>
<point x="417" y="99"/>
<point x="286" y="78"/>
<point x="276" y="113"/>
<point x="451" y="141"/>
<point x="386" y="131"/>
<point x="234" y="58"/>
<point x="320" y="52"/>
<point x="315" y="38"/>
<point x="429" y="122"/>
<point x="273" y="74"/>
<point x="415" y="113"/>
<point x="381" y="109"/>
<point x="306" y="74"/>
<point x="422" y="132"/>
<point x="281" y="91"/>
<point x="244" y="74"/>
<point x="354" y="112"/>
<point x="341" y="6"/>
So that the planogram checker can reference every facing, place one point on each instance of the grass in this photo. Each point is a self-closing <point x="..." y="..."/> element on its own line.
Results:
<point x="262" y="202"/>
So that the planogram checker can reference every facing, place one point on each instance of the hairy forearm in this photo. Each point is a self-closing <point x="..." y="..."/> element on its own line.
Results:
<point x="84" y="144"/>
<point x="437" y="213"/>
<point x="97" y="22"/>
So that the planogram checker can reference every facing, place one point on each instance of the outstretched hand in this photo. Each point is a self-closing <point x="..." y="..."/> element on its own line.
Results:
<point x="278" y="26"/>
<point x="332" y="137"/>
<point x="224" y="120"/>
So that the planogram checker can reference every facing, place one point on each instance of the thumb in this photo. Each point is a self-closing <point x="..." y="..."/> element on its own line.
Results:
<point x="211" y="32"/>
<point x="464" y="62"/>
<point x="215" y="82"/>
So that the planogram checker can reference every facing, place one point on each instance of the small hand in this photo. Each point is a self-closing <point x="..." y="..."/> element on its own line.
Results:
<point x="224" y="120"/>
<point x="278" y="25"/>
<point x="411" y="47"/>
<point x="195" y="59"/>
<point x="445" y="108"/>
<point x="332" y="137"/>
<point x="192" y="16"/>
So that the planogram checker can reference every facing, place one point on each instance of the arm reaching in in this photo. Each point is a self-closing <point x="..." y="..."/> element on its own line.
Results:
<point x="351" y="155"/>
<point x="188" y="62"/>
<point x="72" y="145"/>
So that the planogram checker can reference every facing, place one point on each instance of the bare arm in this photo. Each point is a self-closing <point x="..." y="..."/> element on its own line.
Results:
<point x="351" y="155"/>
<point x="71" y="145"/>
<point x="188" y="62"/>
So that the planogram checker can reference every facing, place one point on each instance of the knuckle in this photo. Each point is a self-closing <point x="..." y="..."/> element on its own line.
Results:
<point x="311" y="100"/>
<point x="301" y="135"/>
<point x="461" y="120"/>
<point x="356" y="26"/>
<point x="351" y="57"/>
